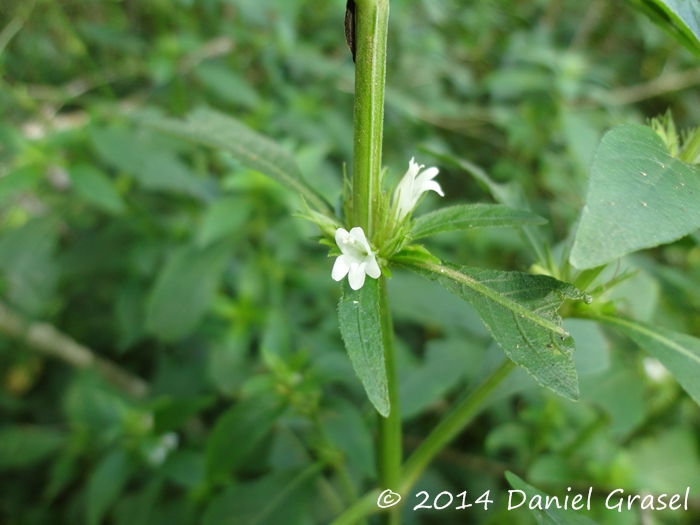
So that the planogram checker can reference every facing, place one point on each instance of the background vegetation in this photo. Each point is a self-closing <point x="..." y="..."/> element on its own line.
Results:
<point x="169" y="349"/>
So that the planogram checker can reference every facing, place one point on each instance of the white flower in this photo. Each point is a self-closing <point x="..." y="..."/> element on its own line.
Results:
<point x="654" y="369"/>
<point x="412" y="186"/>
<point x="357" y="259"/>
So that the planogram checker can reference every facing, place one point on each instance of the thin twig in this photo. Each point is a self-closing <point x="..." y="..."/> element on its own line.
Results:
<point x="46" y="339"/>
<point x="666" y="83"/>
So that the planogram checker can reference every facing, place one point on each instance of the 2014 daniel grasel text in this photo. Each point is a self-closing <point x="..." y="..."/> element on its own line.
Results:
<point x="616" y="500"/>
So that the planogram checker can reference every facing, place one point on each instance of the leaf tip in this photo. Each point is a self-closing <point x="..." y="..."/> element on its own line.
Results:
<point x="383" y="407"/>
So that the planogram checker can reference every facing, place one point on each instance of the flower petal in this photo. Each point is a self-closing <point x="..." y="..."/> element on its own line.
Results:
<point x="413" y="167"/>
<point x="403" y="197"/>
<point x="373" y="268"/>
<point x="340" y="268"/>
<point x="426" y="175"/>
<point x="432" y="185"/>
<point x="341" y="239"/>
<point x="404" y="188"/>
<point x="359" y="235"/>
<point x="356" y="276"/>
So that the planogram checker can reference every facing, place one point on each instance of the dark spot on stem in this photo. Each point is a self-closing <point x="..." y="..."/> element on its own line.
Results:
<point x="350" y="26"/>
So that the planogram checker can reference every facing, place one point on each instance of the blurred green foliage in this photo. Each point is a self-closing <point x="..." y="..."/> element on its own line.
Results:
<point x="186" y="269"/>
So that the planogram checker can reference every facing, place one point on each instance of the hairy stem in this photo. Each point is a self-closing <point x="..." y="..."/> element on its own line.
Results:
<point x="390" y="442"/>
<point x="371" y="24"/>
<point x="371" y="20"/>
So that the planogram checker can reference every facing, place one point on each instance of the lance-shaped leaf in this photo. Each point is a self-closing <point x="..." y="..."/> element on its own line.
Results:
<point x="509" y="194"/>
<point x="238" y="431"/>
<point x="520" y="311"/>
<point x="536" y="500"/>
<point x="360" y="326"/>
<point x="679" y="353"/>
<point x="639" y="196"/>
<point x="681" y="18"/>
<point x="185" y="289"/>
<point x="251" y="149"/>
<point x="280" y="497"/>
<point x="467" y="216"/>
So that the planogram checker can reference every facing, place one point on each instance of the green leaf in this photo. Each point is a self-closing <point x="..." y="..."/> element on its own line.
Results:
<point x="23" y="446"/>
<point x="621" y="395"/>
<point x="552" y="515"/>
<point x="223" y="218"/>
<point x="27" y="260"/>
<point x="137" y="509"/>
<point x="185" y="467"/>
<point x="153" y="166"/>
<point x="417" y="300"/>
<point x="446" y="363"/>
<point x="171" y="413"/>
<point x="237" y="432"/>
<point x="665" y="461"/>
<point x="509" y="194"/>
<point x="520" y="312"/>
<point x="360" y="326"/>
<point x="466" y="216"/>
<point x="184" y="290"/>
<point x="228" y="361"/>
<point x="417" y="253"/>
<point x="280" y="497"/>
<point x="638" y="197"/>
<point x="96" y="188"/>
<point x="254" y="151"/>
<point x="679" y="353"/>
<point x="347" y="429"/>
<point x="19" y="181"/>
<point x="106" y="483"/>
<point x="129" y="315"/>
<point x="226" y="84"/>
<point x="88" y="404"/>
<point x="680" y="18"/>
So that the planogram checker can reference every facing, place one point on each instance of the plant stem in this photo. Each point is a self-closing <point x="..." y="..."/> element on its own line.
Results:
<point x="371" y="25"/>
<point x="389" y="450"/>
<point x="362" y="508"/>
<point x="449" y="427"/>
<point x="47" y="340"/>
<point x="438" y="439"/>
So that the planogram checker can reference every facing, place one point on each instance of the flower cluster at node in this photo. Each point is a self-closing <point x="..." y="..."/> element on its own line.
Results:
<point x="357" y="258"/>
<point x="414" y="184"/>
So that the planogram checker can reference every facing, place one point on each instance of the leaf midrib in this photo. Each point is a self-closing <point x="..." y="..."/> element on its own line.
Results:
<point x="493" y="296"/>
<point x="650" y="333"/>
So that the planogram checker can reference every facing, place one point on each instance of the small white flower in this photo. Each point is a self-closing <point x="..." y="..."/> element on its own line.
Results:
<point x="654" y="369"/>
<point x="357" y="259"/>
<point x="412" y="186"/>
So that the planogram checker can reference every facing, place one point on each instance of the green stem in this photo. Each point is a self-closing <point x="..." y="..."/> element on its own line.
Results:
<point x="346" y="484"/>
<point x="449" y="427"/>
<point x="390" y="439"/>
<point x="362" y="508"/>
<point x="371" y="25"/>
<point x="439" y="438"/>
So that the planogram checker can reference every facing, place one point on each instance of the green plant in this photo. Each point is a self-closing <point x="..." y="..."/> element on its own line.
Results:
<point x="180" y="263"/>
